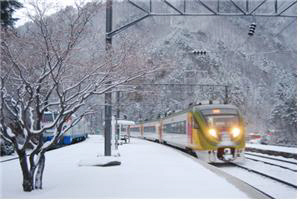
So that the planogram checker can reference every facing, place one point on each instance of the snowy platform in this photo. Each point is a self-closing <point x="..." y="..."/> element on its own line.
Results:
<point x="147" y="170"/>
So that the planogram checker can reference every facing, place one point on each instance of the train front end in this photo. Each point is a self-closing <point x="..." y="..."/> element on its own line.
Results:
<point x="218" y="133"/>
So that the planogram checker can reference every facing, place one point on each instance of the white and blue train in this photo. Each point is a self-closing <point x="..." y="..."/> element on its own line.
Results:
<point x="78" y="132"/>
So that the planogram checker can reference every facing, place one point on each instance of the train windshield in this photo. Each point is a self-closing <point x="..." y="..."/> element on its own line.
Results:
<point x="221" y="118"/>
<point x="222" y="121"/>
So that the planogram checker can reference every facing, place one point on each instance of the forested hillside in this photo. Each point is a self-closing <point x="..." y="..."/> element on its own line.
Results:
<point x="260" y="70"/>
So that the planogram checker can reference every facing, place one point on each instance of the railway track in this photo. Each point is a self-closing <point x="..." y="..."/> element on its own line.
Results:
<point x="288" y="165"/>
<point x="266" y="175"/>
<point x="271" y="185"/>
<point x="272" y="152"/>
<point x="282" y="171"/>
<point x="17" y="157"/>
<point x="277" y="185"/>
<point x="10" y="159"/>
<point x="271" y="158"/>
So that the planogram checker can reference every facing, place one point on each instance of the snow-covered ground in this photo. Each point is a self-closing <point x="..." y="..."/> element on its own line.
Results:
<point x="147" y="170"/>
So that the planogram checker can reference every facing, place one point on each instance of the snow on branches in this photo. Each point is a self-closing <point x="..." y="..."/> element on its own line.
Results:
<point x="48" y="66"/>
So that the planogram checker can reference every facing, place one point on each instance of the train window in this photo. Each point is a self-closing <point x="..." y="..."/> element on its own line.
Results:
<point x="135" y="129"/>
<point x="149" y="129"/>
<point x="222" y="121"/>
<point x="176" y="127"/>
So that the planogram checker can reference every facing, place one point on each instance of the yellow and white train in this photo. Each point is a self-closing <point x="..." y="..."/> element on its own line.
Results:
<point x="215" y="132"/>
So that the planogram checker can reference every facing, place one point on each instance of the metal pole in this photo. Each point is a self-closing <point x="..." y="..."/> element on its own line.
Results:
<point x="107" y="130"/>
<point x="118" y="115"/>
<point x="107" y="97"/>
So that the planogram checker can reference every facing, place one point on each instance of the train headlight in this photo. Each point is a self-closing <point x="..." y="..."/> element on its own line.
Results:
<point x="235" y="132"/>
<point x="212" y="132"/>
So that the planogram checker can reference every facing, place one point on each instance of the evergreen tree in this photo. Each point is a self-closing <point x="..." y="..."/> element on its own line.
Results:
<point x="8" y="7"/>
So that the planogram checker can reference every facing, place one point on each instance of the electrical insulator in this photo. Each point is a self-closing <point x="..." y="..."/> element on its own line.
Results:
<point x="202" y="52"/>
<point x="196" y="51"/>
<point x="252" y="29"/>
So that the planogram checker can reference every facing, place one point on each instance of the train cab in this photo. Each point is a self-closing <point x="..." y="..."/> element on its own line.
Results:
<point x="219" y="129"/>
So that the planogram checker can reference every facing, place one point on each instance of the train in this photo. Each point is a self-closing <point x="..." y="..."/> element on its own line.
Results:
<point x="214" y="132"/>
<point x="77" y="133"/>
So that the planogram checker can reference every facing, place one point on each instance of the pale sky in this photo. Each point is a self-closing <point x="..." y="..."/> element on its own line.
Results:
<point x="55" y="5"/>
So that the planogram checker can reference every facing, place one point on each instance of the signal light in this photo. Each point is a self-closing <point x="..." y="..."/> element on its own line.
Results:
<point x="202" y="52"/>
<point x="252" y="29"/>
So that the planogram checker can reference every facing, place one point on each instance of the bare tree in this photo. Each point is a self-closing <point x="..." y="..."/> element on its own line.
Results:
<point x="48" y="66"/>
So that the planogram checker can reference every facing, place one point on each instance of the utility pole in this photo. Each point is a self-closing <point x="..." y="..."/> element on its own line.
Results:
<point x="226" y="95"/>
<point x="118" y="115"/>
<point x="107" y="97"/>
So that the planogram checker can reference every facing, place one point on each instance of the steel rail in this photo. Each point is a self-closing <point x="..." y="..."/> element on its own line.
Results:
<point x="265" y="175"/>
<point x="193" y="154"/>
<point x="284" y="167"/>
<point x="272" y="152"/>
<point x="285" y="161"/>
<point x="51" y="149"/>
<point x="10" y="159"/>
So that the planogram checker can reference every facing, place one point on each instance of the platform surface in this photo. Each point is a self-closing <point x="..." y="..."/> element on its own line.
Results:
<point x="147" y="170"/>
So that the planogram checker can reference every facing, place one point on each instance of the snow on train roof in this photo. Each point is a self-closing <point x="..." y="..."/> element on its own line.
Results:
<point x="213" y="106"/>
<point x="201" y="107"/>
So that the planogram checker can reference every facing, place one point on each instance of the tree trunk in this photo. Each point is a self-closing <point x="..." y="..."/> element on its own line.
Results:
<point x="39" y="174"/>
<point x="27" y="176"/>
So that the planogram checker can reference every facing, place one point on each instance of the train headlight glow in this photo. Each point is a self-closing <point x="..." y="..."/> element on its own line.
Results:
<point x="236" y="132"/>
<point x="212" y="132"/>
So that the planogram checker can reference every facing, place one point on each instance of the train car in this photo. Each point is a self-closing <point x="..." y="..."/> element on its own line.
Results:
<point x="151" y="130"/>
<point x="48" y="118"/>
<point x="136" y="131"/>
<point x="77" y="133"/>
<point x="215" y="132"/>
